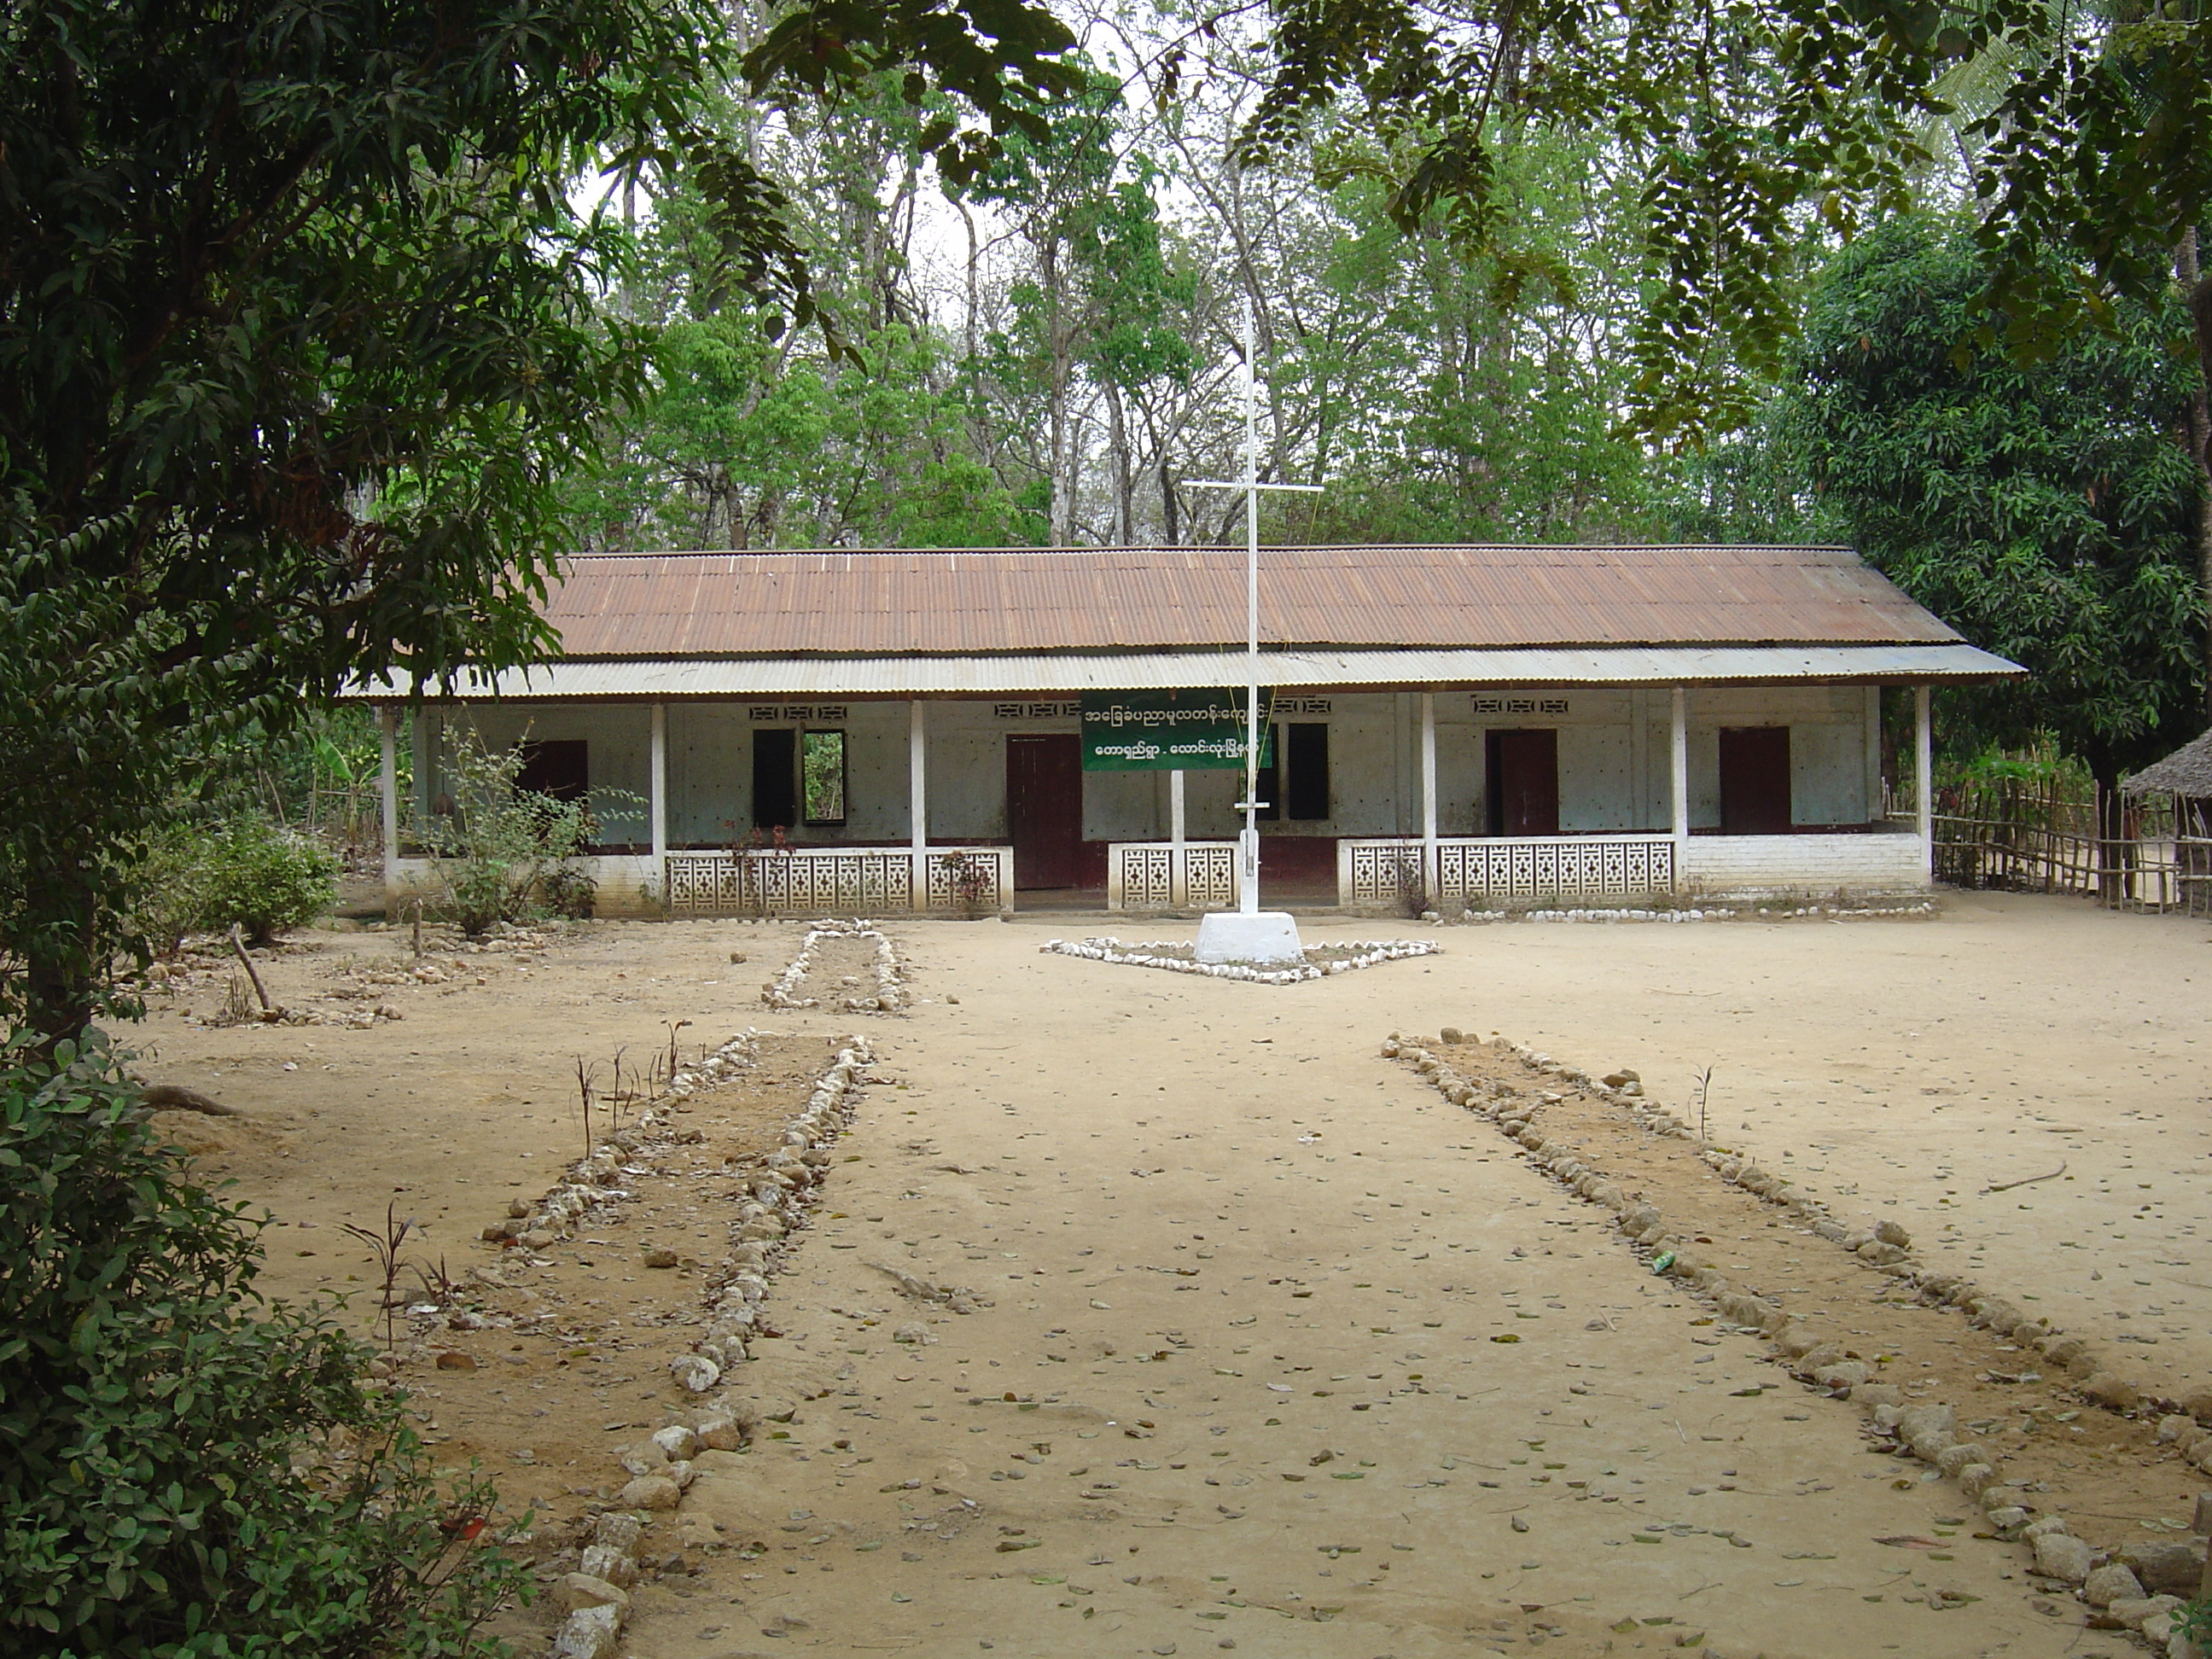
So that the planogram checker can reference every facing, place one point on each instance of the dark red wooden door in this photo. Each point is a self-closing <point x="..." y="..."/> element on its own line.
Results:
<point x="1044" y="809"/>
<point x="1755" y="781"/>
<point x="1522" y="772"/>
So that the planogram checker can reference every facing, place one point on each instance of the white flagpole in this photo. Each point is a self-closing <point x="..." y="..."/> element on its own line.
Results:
<point x="1249" y="849"/>
<point x="1248" y="840"/>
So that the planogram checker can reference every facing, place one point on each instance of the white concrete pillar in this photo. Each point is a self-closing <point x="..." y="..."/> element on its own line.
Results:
<point x="1178" y="867"/>
<point x="1429" y="862"/>
<point x="1873" y="801"/>
<point x="1924" y="782"/>
<point x="426" y="763"/>
<point x="917" y="788"/>
<point x="387" y="788"/>
<point x="657" y="791"/>
<point x="1679" y="790"/>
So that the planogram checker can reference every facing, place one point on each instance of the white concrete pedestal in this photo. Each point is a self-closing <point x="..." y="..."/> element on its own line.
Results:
<point x="1268" y="938"/>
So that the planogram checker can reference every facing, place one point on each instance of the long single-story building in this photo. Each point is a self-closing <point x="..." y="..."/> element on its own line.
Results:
<point x="1463" y="725"/>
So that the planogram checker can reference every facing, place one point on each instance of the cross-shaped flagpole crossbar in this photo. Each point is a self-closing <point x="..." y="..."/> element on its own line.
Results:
<point x="1247" y="842"/>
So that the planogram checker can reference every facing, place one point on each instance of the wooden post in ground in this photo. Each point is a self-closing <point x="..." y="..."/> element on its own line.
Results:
<point x="387" y="783"/>
<point x="2200" y="1526"/>
<point x="237" y="945"/>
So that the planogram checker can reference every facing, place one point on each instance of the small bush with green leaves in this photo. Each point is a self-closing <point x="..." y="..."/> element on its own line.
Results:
<point x="2194" y="1620"/>
<point x="166" y="905"/>
<point x="256" y="872"/>
<point x="192" y="1472"/>
<point x="510" y="855"/>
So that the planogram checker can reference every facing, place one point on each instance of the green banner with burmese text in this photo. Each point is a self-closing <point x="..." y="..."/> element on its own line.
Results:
<point x="1171" y="731"/>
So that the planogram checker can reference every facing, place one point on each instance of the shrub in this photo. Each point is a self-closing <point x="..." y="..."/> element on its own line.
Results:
<point x="262" y="876"/>
<point x="193" y="1472"/>
<point x="569" y="891"/>
<point x="166" y="900"/>
<point x="508" y="855"/>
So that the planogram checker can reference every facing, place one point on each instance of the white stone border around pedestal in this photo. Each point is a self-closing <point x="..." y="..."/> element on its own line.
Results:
<point x="1268" y="938"/>
<point x="1165" y="954"/>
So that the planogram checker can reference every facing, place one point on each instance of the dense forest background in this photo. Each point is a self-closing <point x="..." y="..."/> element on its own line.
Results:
<point x="1040" y="354"/>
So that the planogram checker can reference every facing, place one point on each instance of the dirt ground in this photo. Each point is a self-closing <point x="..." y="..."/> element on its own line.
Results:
<point x="1331" y="1465"/>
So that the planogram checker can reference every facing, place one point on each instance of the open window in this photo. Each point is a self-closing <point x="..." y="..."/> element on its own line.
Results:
<point x="822" y="776"/>
<point x="562" y="769"/>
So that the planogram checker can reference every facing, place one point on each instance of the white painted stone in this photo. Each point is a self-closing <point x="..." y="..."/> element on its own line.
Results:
<point x="2058" y="1556"/>
<point x="589" y="1633"/>
<point x="604" y="1561"/>
<point x="577" y="1590"/>
<point x="1229" y="936"/>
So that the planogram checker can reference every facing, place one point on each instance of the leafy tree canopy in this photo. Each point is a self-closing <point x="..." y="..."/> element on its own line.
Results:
<point x="297" y="337"/>
<point x="1749" y="124"/>
<point x="2044" y="511"/>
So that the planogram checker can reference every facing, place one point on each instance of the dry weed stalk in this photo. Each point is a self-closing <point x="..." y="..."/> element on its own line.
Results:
<point x="385" y="1247"/>
<point x="586" y="1081"/>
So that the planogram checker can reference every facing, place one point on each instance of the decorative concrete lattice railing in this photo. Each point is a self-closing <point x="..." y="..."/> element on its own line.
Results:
<point x="1381" y="872"/>
<point x="1148" y="875"/>
<point x="848" y="880"/>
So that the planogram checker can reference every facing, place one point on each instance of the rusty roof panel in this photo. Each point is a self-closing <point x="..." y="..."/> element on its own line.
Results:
<point x="718" y="605"/>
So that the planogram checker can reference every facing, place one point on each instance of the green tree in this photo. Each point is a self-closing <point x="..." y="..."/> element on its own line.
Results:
<point x="1739" y="125"/>
<point x="2090" y="169"/>
<point x="746" y="442"/>
<point x="2045" y="511"/>
<point x="1475" y="395"/>
<point x="297" y="341"/>
<point x="193" y="1472"/>
<point x="1095" y="302"/>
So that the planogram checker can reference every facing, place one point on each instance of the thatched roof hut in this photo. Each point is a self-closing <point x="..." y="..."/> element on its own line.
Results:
<point x="2187" y="772"/>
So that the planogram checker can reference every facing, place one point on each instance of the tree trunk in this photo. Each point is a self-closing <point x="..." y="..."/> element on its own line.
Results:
<point x="2196" y="288"/>
<point x="1117" y="442"/>
<point x="2113" y="858"/>
<point x="974" y="262"/>
<point x="60" y="982"/>
<point x="1059" y="370"/>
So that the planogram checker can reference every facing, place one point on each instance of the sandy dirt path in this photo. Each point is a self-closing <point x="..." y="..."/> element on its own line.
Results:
<point x="1241" y="1382"/>
<point x="1899" y="1068"/>
<point x="468" y="1099"/>
<point x="444" y="1117"/>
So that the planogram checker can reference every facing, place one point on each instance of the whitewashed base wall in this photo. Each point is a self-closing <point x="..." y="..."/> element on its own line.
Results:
<point x="629" y="885"/>
<point x="1884" y="861"/>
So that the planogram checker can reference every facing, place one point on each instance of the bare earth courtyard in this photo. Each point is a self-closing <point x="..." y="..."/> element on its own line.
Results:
<point x="1270" y="1346"/>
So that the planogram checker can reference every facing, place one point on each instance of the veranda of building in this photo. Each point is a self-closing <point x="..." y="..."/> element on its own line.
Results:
<point x="1490" y="724"/>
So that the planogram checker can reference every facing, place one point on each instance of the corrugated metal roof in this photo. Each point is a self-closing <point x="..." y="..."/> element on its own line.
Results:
<point x="1064" y="672"/>
<point x="865" y="604"/>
